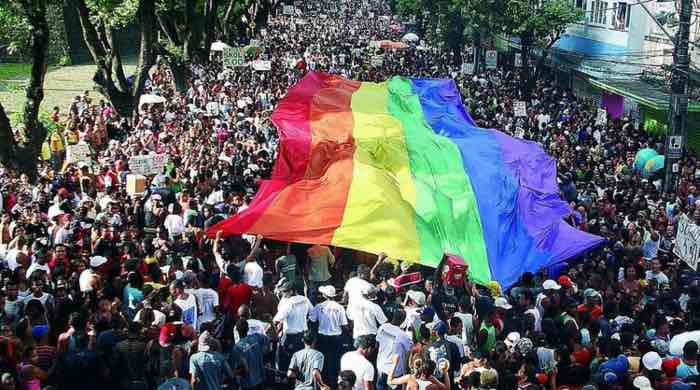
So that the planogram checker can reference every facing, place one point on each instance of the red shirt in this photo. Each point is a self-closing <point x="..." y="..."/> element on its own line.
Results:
<point x="237" y="295"/>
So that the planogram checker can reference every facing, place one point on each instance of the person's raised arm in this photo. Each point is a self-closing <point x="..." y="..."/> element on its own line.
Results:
<point x="380" y="259"/>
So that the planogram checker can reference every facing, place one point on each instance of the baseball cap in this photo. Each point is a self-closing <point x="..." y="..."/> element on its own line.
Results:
<point x="651" y="361"/>
<point x="512" y="339"/>
<point x="502" y="303"/>
<point x="565" y="281"/>
<point x="550" y="285"/>
<point x="327" y="291"/>
<point x="440" y="328"/>
<point x="642" y="383"/>
<point x="416" y="296"/>
<point x="96" y="261"/>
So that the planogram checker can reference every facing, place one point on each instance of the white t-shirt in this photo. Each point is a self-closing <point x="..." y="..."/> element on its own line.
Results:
<point x="254" y="327"/>
<point x="174" y="224"/>
<point x="189" y="309"/>
<point x="354" y="287"/>
<point x="363" y="369"/>
<point x="367" y="317"/>
<point x="158" y="317"/>
<point x="330" y="316"/>
<point x="660" y="278"/>
<point x="253" y="274"/>
<point x="392" y="340"/>
<point x="208" y="301"/>
<point x="292" y="313"/>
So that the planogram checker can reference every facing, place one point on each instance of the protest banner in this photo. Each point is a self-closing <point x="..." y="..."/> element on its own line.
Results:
<point x="234" y="56"/>
<point x="78" y="153"/>
<point x="602" y="117"/>
<point x="687" y="245"/>
<point x="467" y="68"/>
<point x="148" y="165"/>
<point x="491" y="59"/>
<point x="261" y="65"/>
<point x="519" y="108"/>
<point x="377" y="60"/>
<point x="288" y="10"/>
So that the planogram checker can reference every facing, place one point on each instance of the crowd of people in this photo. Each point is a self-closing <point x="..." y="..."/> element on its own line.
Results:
<point x="107" y="287"/>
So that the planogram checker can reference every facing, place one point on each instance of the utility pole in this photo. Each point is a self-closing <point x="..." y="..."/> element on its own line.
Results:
<point x="678" y="109"/>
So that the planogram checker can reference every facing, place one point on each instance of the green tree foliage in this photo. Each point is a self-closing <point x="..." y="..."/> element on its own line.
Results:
<point x="538" y="23"/>
<point x="19" y="148"/>
<point x="15" y="32"/>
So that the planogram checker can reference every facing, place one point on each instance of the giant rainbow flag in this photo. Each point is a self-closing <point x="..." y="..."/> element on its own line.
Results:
<point x="400" y="167"/>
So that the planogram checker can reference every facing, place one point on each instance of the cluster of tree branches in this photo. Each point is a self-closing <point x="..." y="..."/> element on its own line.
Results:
<point x="188" y="26"/>
<point x="538" y="23"/>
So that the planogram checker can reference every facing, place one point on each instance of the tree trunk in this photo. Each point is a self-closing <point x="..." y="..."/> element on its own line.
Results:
<point x="210" y="11"/>
<point x="476" y="41"/>
<point x="124" y="100"/>
<point x="22" y="157"/>
<point x="525" y="79"/>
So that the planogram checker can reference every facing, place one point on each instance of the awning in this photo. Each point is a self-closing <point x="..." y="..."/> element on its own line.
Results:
<point x="587" y="46"/>
<point x="642" y="93"/>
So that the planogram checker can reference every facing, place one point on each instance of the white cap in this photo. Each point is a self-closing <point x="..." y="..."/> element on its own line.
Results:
<point x="96" y="261"/>
<point x="549" y="284"/>
<point x="327" y="291"/>
<point x="502" y="303"/>
<point x="651" y="361"/>
<point x="642" y="383"/>
<point x="512" y="339"/>
<point x="416" y="296"/>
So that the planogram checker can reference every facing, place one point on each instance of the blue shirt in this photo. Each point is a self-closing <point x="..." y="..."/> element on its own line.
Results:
<point x="209" y="368"/>
<point x="251" y="348"/>
<point x="683" y="370"/>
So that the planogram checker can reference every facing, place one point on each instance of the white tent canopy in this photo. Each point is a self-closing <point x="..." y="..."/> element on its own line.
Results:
<point x="218" y="46"/>
<point x="150" y="99"/>
<point x="410" y="37"/>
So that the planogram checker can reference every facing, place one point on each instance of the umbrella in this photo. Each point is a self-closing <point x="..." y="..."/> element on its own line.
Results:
<point x="252" y="51"/>
<point x="151" y="99"/>
<point x="392" y="45"/>
<point x="218" y="46"/>
<point x="654" y="164"/>
<point x="678" y="342"/>
<point x="642" y="156"/>
<point x="410" y="37"/>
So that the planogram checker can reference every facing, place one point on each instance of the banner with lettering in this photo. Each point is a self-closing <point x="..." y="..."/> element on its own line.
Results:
<point x="148" y="165"/>
<point x="687" y="245"/>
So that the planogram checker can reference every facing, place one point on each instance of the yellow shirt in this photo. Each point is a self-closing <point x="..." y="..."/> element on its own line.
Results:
<point x="56" y="142"/>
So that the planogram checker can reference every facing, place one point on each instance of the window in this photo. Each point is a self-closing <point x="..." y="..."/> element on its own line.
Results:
<point x="621" y="16"/>
<point x="580" y="4"/>
<point x="599" y="12"/>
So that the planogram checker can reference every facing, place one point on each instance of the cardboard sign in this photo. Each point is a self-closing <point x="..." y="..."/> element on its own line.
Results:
<point x="78" y="153"/>
<point x="602" y="117"/>
<point x="491" y="59"/>
<point x="519" y="108"/>
<point x="288" y="10"/>
<point x="234" y="56"/>
<point x="467" y="68"/>
<point x="148" y="165"/>
<point x="377" y="60"/>
<point x="687" y="245"/>
<point x="261" y="65"/>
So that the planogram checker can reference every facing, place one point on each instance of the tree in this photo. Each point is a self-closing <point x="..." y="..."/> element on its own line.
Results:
<point x="98" y="20"/>
<point x="538" y="23"/>
<point x="20" y="153"/>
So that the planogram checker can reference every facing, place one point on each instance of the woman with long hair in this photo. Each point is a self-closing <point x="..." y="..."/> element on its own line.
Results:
<point x="422" y="377"/>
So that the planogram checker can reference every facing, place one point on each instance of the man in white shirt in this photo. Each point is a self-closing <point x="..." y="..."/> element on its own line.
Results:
<point x="656" y="274"/>
<point x="208" y="301"/>
<point x="392" y="342"/>
<point x="356" y="361"/>
<point x="356" y="285"/>
<point x="366" y="315"/>
<point x="331" y="319"/>
<point x="186" y="302"/>
<point x="290" y="320"/>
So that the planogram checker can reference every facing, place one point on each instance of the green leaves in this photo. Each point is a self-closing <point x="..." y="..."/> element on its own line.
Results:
<point x="113" y="13"/>
<point x="543" y="19"/>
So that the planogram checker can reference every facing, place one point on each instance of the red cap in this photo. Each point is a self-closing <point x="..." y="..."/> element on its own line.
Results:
<point x="167" y="334"/>
<point x="62" y="192"/>
<point x="669" y="366"/>
<point x="565" y="281"/>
